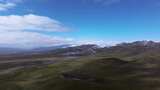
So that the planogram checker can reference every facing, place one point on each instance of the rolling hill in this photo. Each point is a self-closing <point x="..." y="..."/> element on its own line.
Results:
<point x="126" y="66"/>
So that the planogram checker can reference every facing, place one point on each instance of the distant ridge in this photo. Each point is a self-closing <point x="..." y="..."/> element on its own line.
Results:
<point x="122" y="49"/>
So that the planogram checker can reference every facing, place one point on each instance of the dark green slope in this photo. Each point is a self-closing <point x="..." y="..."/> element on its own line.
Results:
<point x="88" y="73"/>
<point x="106" y="74"/>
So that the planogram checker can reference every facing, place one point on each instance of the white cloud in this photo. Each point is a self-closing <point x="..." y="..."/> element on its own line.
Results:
<point x="30" y="22"/>
<point x="26" y="31"/>
<point x="8" y="4"/>
<point x="30" y="39"/>
<point x="100" y="43"/>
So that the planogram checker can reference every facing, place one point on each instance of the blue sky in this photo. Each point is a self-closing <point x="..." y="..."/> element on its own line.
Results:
<point x="104" y="21"/>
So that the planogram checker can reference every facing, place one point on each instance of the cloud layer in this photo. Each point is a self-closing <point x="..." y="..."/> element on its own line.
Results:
<point x="25" y="31"/>
<point x="30" y="40"/>
<point x="30" y="22"/>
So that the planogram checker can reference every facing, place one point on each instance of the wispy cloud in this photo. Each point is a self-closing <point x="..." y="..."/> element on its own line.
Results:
<point x="25" y="31"/>
<point x="8" y="4"/>
<point x="30" y="22"/>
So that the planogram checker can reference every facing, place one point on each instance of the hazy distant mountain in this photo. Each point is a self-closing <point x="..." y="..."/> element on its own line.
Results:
<point x="76" y="50"/>
<point x="48" y="49"/>
<point x="135" y="48"/>
<point x="7" y="50"/>
<point x="123" y="49"/>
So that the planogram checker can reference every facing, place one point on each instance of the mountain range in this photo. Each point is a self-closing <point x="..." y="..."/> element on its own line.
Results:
<point x="122" y="49"/>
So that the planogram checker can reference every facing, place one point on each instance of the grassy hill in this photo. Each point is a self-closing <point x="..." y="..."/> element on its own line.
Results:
<point x="87" y="73"/>
<point x="128" y="66"/>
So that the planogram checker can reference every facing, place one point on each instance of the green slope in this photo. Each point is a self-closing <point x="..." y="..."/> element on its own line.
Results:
<point x="87" y="73"/>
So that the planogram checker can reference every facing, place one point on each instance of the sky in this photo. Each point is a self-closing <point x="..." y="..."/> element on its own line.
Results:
<point x="38" y="23"/>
